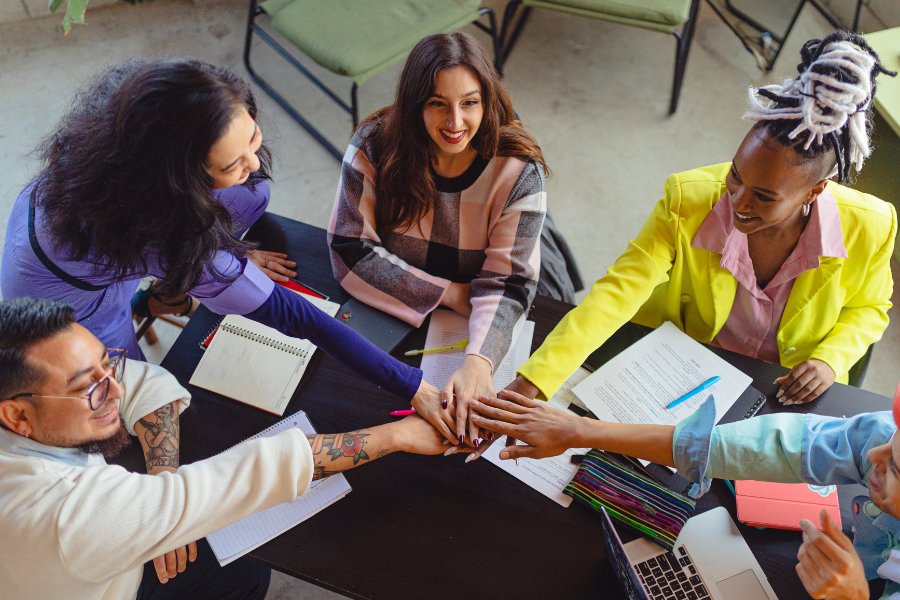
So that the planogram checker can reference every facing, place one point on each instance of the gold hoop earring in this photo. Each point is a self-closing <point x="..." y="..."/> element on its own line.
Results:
<point x="805" y="210"/>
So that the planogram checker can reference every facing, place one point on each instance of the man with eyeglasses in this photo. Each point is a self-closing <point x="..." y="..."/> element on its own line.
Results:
<point x="73" y="527"/>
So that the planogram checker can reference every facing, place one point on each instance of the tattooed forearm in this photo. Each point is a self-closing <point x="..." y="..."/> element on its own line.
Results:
<point x="159" y="436"/>
<point x="336" y="452"/>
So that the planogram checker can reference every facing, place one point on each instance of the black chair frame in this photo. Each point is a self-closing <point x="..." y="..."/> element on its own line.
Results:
<point x="353" y="107"/>
<point x="857" y="373"/>
<point x="779" y="39"/>
<point x="509" y="34"/>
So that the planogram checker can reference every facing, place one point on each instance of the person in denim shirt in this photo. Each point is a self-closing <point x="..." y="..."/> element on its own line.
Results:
<point x="786" y="448"/>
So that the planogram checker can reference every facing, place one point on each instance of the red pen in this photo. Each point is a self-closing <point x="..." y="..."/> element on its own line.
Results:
<point x="404" y="413"/>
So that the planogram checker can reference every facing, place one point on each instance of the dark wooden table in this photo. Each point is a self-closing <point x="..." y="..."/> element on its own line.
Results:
<point x="434" y="527"/>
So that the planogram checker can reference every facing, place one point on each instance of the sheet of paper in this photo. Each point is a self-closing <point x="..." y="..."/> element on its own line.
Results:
<point x="326" y="306"/>
<point x="448" y="327"/>
<point x="549" y="476"/>
<point x="638" y="384"/>
<point x="237" y="539"/>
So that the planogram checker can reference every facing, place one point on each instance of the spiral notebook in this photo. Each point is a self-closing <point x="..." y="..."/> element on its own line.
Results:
<point x="255" y="364"/>
<point x="237" y="539"/>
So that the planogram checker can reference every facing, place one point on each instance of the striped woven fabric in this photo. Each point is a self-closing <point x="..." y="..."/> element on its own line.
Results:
<point x="649" y="508"/>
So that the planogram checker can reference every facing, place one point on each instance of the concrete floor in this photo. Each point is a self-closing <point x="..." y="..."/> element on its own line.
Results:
<point x="595" y="95"/>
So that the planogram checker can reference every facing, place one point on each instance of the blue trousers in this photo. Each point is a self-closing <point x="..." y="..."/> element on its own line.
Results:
<point x="204" y="579"/>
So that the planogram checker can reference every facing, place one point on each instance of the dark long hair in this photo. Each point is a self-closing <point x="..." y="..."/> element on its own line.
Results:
<point x="399" y="147"/>
<point x="125" y="174"/>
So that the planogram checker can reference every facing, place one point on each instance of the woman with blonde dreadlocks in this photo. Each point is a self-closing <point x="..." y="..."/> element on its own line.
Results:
<point x="768" y="255"/>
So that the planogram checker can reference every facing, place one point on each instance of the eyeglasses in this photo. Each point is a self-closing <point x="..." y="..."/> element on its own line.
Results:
<point x="96" y="394"/>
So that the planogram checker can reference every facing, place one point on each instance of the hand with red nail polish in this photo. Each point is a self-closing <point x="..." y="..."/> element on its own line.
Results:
<point x="519" y="385"/>
<point x="437" y="409"/>
<point x="472" y="380"/>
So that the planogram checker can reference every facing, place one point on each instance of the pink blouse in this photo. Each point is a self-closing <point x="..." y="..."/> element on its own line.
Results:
<point x="752" y="325"/>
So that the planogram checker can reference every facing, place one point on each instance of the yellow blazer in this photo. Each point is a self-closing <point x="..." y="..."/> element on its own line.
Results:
<point x="833" y="314"/>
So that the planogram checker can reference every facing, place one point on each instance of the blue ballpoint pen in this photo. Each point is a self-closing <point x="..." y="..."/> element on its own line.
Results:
<point x="699" y="388"/>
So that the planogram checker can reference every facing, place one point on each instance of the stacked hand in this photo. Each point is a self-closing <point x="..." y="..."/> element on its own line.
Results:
<point x="547" y="431"/>
<point x="439" y="412"/>
<point x="472" y="380"/>
<point x="829" y="567"/>
<point x="519" y="388"/>
<point x="415" y="435"/>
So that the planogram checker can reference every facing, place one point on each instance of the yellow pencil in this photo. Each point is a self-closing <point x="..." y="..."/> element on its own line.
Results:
<point x="460" y="345"/>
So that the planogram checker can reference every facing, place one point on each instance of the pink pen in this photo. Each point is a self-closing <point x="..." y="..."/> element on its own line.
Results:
<point x="404" y="413"/>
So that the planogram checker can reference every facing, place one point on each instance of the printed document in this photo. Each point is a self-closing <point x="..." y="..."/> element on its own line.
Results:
<point x="638" y="384"/>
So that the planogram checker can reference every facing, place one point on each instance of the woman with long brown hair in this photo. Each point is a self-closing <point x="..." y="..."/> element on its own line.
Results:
<point x="442" y="201"/>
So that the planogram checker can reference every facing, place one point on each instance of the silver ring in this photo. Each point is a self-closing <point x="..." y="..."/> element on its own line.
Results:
<point x="266" y="264"/>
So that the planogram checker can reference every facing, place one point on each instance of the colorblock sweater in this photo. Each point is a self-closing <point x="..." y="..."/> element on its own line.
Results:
<point x="483" y="228"/>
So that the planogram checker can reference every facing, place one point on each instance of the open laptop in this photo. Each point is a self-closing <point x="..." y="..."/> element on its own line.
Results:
<point x="710" y="561"/>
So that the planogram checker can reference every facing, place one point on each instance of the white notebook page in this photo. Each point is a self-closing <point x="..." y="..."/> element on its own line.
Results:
<point x="255" y="364"/>
<point x="236" y="540"/>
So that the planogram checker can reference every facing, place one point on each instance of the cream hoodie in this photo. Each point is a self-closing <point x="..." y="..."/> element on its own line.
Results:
<point x="73" y="527"/>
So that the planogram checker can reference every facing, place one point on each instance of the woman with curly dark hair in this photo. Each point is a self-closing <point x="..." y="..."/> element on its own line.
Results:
<point x="157" y="170"/>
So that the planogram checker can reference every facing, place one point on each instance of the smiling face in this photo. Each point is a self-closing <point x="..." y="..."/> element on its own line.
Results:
<point x="233" y="157"/>
<point x="884" y="481"/>
<point x="768" y="184"/>
<point x="71" y="361"/>
<point x="453" y="113"/>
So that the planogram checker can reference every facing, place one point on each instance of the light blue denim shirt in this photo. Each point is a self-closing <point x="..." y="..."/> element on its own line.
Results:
<point x="16" y="444"/>
<point x="793" y="448"/>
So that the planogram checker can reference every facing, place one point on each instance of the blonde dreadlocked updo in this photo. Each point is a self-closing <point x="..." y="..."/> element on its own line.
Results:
<point x="828" y="106"/>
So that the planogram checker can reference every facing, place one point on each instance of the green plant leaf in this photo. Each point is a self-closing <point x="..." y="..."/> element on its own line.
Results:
<point x="74" y="13"/>
<point x="76" y="8"/>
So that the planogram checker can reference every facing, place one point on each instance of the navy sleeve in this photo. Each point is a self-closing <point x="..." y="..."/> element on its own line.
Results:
<point x="292" y="315"/>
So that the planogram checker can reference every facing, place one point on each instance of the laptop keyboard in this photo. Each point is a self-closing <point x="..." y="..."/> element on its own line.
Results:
<point x="672" y="577"/>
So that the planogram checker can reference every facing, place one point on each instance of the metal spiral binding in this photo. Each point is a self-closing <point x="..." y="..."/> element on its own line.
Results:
<point x="264" y="340"/>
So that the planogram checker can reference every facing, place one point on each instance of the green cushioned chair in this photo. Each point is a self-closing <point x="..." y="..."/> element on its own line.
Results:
<point x="356" y="38"/>
<point x="676" y="17"/>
